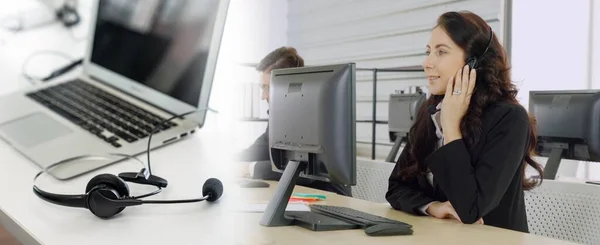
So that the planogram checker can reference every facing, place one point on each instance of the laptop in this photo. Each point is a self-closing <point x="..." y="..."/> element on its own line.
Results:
<point x="146" y="61"/>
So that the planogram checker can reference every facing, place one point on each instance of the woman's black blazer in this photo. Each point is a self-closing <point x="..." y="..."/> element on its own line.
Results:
<point x="484" y="180"/>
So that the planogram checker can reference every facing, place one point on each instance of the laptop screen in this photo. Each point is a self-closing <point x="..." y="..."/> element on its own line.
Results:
<point x="162" y="44"/>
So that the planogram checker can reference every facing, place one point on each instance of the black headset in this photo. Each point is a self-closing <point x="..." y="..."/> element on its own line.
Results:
<point x="106" y="195"/>
<point x="473" y="61"/>
<point x="68" y="14"/>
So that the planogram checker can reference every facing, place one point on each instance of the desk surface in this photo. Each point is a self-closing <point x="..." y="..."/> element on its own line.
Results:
<point x="186" y="165"/>
<point x="427" y="230"/>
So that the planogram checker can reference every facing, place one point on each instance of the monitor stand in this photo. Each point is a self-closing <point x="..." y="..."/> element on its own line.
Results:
<point x="275" y="214"/>
<point x="553" y="163"/>
<point x="395" y="148"/>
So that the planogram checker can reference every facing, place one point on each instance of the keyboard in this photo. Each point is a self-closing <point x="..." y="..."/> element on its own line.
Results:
<point x="353" y="215"/>
<point x="110" y="118"/>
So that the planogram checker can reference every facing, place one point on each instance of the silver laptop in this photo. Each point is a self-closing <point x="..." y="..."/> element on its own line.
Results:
<point x="146" y="61"/>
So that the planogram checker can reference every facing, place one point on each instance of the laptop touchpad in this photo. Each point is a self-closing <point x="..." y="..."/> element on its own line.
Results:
<point x="33" y="129"/>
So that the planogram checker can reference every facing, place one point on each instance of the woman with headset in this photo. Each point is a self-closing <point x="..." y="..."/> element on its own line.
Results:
<point x="472" y="141"/>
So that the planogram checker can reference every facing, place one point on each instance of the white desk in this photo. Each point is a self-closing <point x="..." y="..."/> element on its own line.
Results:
<point x="16" y="48"/>
<point x="186" y="165"/>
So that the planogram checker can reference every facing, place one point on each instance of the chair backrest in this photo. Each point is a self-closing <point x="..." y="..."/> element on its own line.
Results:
<point x="565" y="210"/>
<point x="372" y="180"/>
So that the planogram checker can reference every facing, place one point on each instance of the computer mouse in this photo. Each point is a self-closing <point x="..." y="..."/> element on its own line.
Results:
<point x="253" y="184"/>
<point x="388" y="230"/>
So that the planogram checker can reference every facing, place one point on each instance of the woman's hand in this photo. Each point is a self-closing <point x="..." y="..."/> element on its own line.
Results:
<point x="444" y="210"/>
<point x="456" y="102"/>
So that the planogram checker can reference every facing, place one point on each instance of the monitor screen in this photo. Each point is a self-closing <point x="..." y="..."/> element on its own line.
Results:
<point x="162" y="45"/>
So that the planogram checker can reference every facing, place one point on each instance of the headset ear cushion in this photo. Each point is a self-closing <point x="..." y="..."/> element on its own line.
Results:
<point x="472" y="63"/>
<point x="114" y="186"/>
<point x="112" y="181"/>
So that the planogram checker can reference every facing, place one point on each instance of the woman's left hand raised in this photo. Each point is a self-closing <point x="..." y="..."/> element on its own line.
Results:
<point x="456" y="102"/>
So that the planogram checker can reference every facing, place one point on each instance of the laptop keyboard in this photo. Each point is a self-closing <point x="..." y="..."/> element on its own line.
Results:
<point x="102" y="114"/>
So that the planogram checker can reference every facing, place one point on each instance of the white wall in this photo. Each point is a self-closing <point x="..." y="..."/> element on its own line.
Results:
<point x="550" y="45"/>
<point x="375" y="34"/>
<point x="595" y="45"/>
<point x="593" y="169"/>
<point x="253" y="29"/>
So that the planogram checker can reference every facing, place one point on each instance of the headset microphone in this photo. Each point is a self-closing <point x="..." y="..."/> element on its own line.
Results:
<point x="432" y="109"/>
<point x="211" y="191"/>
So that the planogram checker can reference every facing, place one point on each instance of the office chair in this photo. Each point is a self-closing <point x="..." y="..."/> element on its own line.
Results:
<point x="565" y="210"/>
<point x="372" y="180"/>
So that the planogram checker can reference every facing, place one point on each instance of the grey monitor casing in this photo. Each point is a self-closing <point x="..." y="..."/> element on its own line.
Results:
<point x="568" y="126"/>
<point x="568" y="116"/>
<point x="402" y="112"/>
<point x="312" y="119"/>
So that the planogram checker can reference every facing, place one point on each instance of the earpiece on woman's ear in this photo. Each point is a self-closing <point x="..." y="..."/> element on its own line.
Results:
<point x="472" y="63"/>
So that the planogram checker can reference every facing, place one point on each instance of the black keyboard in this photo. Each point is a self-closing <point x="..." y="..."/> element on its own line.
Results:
<point x="353" y="216"/>
<point x="99" y="112"/>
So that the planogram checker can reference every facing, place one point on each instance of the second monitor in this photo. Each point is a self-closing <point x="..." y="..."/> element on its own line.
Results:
<point x="312" y="130"/>
<point x="402" y="112"/>
<point x="568" y="125"/>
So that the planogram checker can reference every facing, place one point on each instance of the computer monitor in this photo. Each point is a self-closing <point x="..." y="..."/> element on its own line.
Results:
<point x="402" y="113"/>
<point x="312" y="132"/>
<point x="568" y="126"/>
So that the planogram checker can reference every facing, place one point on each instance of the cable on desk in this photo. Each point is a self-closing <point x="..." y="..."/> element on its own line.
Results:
<point x="96" y="156"/>
<point x="35" y="80"/>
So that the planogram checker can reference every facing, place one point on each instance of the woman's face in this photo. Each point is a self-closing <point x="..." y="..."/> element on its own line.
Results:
<point x="444" y="58"/>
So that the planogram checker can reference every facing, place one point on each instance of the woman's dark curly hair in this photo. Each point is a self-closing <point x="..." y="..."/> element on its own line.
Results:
<point x="471" y="33"/>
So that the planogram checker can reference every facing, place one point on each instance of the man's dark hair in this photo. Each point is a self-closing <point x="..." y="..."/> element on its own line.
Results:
<point x="284" y="57"/>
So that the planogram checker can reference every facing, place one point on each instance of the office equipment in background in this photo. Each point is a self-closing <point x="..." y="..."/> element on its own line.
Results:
<point x="59" y="71"/>
<point x="312" y="132"/>
<point x="402" y="112"/>
<point x="568" y="126"/>
<point x="135" y="75"/>
<point x="68" y="14"/>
